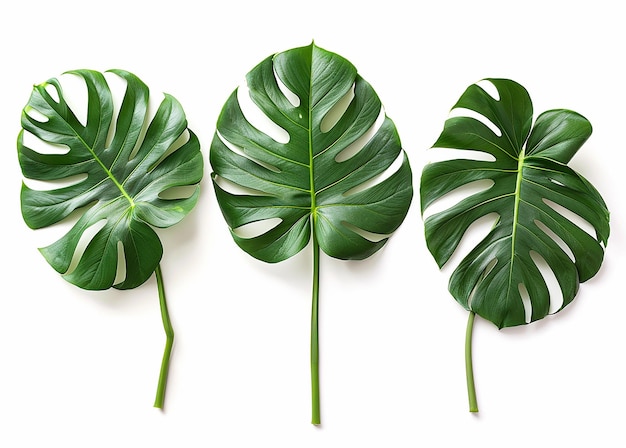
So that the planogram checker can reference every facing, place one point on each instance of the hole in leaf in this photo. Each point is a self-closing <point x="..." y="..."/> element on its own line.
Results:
<point x="556" y="182"/>
<point x="47" y="235"/>
<point x="181" y="192"/>
<point x="257" y="228"/>
<point x="35" y="114"/>
<point x="489" y="88"/>
<point x="178" y="143"/>
<point x="557" y="239"/>
<point x="395" y="166"/>
<point x="36" y="144"/>
<point x="237" y="150"/>
<point x="353" y="148"/>
<point x="492" y="264"/>
<point x="83" y="242"/>
<point x="582" y="223"/>
<point x="75" y="95"/>
<point x="462" y="112"/>
<point x="47" y="185"/>
<point x="528" y="308"/>
<point x="442" y="154"/>
<point x="120" y="273"/>
<point x="258" y="119"/>
<point x="236" y="189"/>
<point x="291" y="97"/>
<point x="154" y="102"/>
<point x="335" y="113"/>
<point x="117" y="86"/>
<point x="111" y="133"/>
<point x="370" y="236"/>
<point x="556" y="295"/>
<point x="52" y="91"/>
<point x="455" y="196"/>
<point x="474" y="234"/>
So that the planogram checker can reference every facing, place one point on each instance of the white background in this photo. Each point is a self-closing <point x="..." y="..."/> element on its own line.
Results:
<point x="79" y="369"/>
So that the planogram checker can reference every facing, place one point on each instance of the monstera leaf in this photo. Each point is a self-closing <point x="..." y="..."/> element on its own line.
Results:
<point x="118" y="172"/>
<point x="531" y="187"/>
<point x="321" y="183"/>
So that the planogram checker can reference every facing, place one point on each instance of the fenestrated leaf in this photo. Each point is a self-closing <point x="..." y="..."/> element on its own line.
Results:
<point x="329" y="183"/>
<point x="530" y="175"/>
<point x="123" y="183"/>
<point x="306" y="180"/>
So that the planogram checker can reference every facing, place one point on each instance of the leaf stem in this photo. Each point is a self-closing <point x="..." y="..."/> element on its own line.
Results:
<point x="169" y="333"/>
<point x="315" y="355"/>
<point x="469" y="369"/>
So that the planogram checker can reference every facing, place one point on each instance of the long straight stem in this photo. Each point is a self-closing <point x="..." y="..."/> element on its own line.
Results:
<point x="315" y="351"/>
<point x="169" y="333"/>
<point x="469" y="369"/>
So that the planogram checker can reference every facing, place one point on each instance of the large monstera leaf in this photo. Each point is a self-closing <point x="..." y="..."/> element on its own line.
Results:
<point x="323" y="182"/>
<point x="531" y="186"/>
<point x="123" y="179"/>
<point x="121" y="174"/>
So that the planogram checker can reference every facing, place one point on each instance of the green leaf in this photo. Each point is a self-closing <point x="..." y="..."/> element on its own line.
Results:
<point x="124" y="185"/>
<point x="531" y="186"/>
<point x="305" y="182"/>
<point x="122" y="182"/>
<point x="328" y="182"/>
<point x="540" y="204"/>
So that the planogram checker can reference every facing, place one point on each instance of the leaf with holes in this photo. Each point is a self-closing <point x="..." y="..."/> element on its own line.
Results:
<point x="119" y="171"/>
<point x="325" y="175"/>
<point x="533" y="193"/>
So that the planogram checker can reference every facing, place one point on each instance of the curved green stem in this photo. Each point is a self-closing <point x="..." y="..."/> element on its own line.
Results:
<point x="315" y="352"/>
<point x="469" y="369"/>
<point x="169" y="333"/>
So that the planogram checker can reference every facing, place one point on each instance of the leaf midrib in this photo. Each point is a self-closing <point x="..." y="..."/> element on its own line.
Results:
<point x="517" y="195"/>
<point x="108" y="172"/>
<point x="102" y="165"/>
<point x="311" y="156"/>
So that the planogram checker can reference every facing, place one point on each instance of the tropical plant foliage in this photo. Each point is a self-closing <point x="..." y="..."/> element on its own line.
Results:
<point x="532" y="192"/>
<point x="323" y="184"/>
<point x="120" y="170"/>
<point x="124" y="178"/>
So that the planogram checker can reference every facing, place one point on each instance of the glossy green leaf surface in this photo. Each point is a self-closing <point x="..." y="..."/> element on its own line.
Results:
<point x="335" y="174"/>
<point x="315" y="181"/>
<point x="123" y="164"/>
<point x="533" y="193"/>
